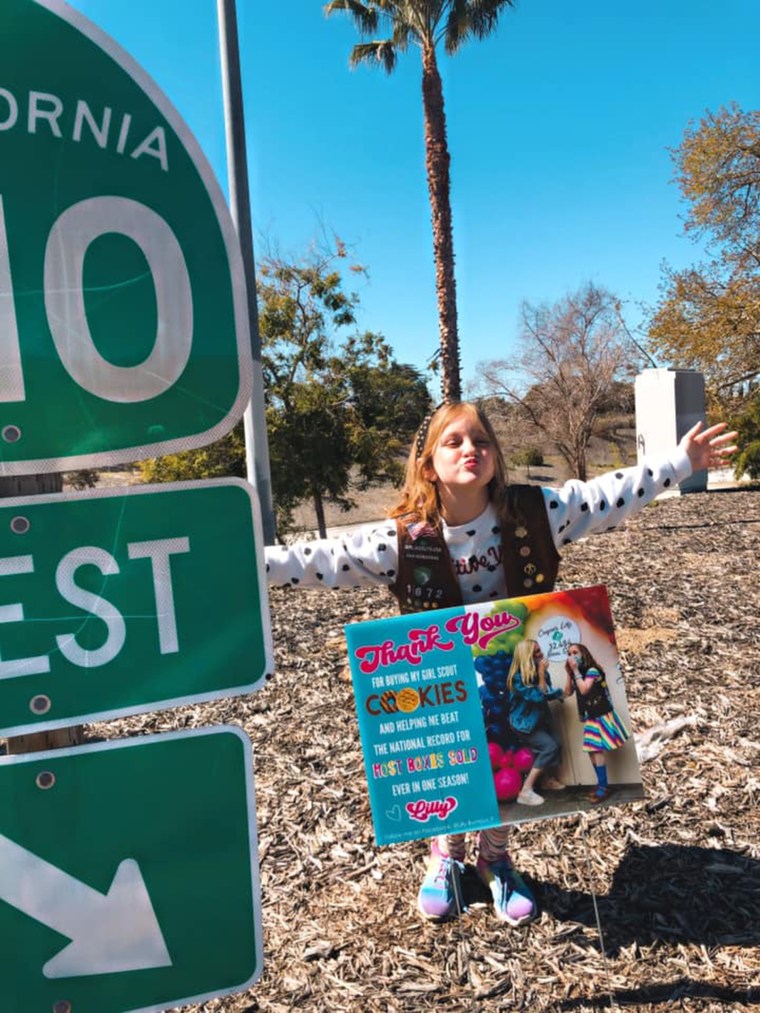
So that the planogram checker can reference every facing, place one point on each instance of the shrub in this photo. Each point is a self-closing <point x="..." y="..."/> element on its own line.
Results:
<point x="530" y="457"/>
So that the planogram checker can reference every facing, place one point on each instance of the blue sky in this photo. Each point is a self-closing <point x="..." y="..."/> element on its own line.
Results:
<point x="559" y="127"/>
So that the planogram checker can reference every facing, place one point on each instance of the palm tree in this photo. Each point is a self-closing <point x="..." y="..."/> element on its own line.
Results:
<point x="426" y="23"/>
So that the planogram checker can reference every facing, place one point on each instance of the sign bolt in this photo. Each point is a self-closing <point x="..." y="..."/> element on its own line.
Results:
<point x="40" y="704"/>
<point x="11" y="434"/>
<point x="45" y="779"/>
<point x="64" y="1006"/>
<point x="20" y="525"/>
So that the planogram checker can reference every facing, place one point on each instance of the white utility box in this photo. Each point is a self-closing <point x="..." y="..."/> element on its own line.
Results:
<point x="668" y="403"/>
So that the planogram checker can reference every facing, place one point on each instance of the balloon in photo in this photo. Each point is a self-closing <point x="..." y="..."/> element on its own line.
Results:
<point x="523" y="760"/>
<point x="507" y="783"/>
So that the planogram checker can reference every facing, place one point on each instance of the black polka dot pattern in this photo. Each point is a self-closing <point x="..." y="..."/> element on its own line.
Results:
<point x="553" y="504"/>
<point x="620" y="503"/>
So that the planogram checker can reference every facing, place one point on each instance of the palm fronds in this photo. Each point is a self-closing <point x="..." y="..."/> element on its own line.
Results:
<point x="381" y="53"/>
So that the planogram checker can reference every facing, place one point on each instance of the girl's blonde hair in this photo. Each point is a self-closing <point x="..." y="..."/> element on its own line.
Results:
<point x="524" y="663"/>
<point x="419" y="495"/>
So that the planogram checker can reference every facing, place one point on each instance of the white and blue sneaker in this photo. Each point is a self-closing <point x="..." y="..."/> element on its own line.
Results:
<point x="512" y="900"/>
<point x="440" y="895"/>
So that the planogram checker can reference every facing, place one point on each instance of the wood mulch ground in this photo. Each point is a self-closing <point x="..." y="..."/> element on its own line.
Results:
<point x="675" y="880"/>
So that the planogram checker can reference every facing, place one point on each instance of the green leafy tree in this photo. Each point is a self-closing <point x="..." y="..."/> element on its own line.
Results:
<point x="336" y="413"/>
<point x="224" y="458"/>
<point x="747" y="460"/>
<point x="427" y="24"/>
<point x="339" y="408"/>
<point x="708" y="317"/>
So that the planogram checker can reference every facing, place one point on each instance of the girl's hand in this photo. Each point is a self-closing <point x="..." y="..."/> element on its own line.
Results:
<point x="709" y="448"/>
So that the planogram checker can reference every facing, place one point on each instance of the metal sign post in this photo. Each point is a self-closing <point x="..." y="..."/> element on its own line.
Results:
<point x="257" y="448"/>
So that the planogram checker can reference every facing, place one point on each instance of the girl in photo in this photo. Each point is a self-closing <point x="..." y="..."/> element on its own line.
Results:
<point x="530" y="690"/>
<point x="603" y="729"/>
<point x="460" y="534"/>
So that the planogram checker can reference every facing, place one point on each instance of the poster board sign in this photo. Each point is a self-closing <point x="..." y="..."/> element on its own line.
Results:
<point x="436" y="713"/>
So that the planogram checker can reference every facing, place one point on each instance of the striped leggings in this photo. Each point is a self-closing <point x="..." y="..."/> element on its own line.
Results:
<point x="492" y="844"/>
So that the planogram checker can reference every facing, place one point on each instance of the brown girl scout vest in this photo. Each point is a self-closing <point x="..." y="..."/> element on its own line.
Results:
<point x="426" y="578"/>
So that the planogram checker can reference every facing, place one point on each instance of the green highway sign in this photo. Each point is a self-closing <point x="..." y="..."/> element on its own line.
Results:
<point x="123" y="316"/>
<point x="128" y="874"/>
<point x="114" y="603"/>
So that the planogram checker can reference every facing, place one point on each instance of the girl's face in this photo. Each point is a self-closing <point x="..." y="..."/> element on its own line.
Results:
<point x="574" y="654"/>
<point x="463" y="459"/>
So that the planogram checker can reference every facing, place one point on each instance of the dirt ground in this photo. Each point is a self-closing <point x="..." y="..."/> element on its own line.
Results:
<point x="674" y="880"/>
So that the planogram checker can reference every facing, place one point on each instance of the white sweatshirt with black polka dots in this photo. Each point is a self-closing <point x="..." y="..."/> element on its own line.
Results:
<point x="577" y="509"/>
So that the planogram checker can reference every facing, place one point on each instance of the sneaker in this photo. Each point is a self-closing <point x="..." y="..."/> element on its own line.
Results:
<point x="529" y="797"/>
<point x="599" y="795"/>
<point x="512" y="900"/>
<point x="440" y="895"/>
<point x="552" y="784"/>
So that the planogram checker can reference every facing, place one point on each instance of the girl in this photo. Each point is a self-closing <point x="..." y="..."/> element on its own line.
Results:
<point x="602" y="727"/>
<point x="530" y="690"/>
<point x="462" y="535"/>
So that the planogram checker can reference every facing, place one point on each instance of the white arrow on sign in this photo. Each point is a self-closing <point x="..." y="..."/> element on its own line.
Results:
<point x="117" y="931"/>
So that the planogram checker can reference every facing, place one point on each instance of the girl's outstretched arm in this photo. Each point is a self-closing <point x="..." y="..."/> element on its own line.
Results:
<point x="602" y="504"/>
<point x="368" y="556"/>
